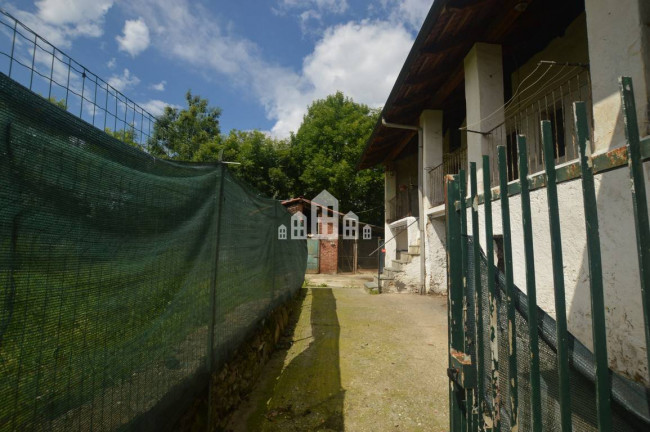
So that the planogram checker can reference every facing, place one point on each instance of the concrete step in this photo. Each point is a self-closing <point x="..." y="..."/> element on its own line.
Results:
<point x="404" y="259"/>
<point x="383" y="277"/>
<point x="414" y="250"/>
<point x="371" y="287"/>
<point x="392" y="269"/>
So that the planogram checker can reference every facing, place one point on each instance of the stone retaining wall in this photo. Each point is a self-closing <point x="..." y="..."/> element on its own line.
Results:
<point x="235" y="380"/>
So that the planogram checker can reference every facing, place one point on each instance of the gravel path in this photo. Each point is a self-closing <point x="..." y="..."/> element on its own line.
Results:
<point x="356" y="362"/>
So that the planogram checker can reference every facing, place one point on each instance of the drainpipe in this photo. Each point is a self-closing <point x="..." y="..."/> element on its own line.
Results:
<point x="420" y="194"/>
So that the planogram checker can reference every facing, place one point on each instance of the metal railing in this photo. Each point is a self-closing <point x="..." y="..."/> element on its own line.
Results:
<point x="549" y="379"/>
<point x="32" y="61"/>
<point x="403" y="204"/>
<point x="452" y="164"/>
<point x="548" y="98"/>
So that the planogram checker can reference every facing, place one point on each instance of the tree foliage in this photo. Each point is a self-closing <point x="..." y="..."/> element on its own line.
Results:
<point x="181" y="133"/>
<point x="326" y="149"/>
<point x="127" y="136"/>
<point x="322" y="154"/>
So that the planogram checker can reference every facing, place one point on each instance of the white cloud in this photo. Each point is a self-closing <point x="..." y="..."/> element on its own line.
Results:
<point x="362" y="59"/>
<point x="310" y="13"/>
<point x="331" y="6"/>
<point x="410" y="13"/>
<point x="111" y="63"/>
<point x="135" y="38"/>
<point x="124" y="81"/>
<point x="61" y="21"/>
<point x="156" y="106"/>
<point x="159" y="87"/>
<point x="72" y="11"/>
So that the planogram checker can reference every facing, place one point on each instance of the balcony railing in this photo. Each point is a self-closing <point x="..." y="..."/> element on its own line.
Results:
<point x="451" y="164"/>
<point x="549" y="97"/>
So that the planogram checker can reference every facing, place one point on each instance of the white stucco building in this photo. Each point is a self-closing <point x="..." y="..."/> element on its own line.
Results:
<point x="476" y="76"/>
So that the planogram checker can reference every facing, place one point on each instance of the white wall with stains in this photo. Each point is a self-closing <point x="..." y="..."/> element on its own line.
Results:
<point x="624" y="315"/>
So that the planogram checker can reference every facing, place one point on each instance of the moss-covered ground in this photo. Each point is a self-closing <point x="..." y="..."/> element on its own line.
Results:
<point x="355" y="362"/>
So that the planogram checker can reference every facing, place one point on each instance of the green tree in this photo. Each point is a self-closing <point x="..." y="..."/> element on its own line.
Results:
<point x="58" y="102"/>
<point x="127" y="136"/>
<point x="326" y="149"/>
<point x="181" y="134"/>
<point x="263" y="161"/>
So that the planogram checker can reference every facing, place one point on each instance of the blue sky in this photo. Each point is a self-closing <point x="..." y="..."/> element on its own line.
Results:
<point x="261" y="62"/>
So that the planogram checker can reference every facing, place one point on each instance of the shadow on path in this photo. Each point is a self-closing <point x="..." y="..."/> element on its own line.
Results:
<point x="305" y="394"/>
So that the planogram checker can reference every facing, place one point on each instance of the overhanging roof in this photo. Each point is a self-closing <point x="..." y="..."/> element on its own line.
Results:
<point x="432" y="76"/>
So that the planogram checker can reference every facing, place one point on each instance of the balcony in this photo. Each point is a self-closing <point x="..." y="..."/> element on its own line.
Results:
<point x="551" y="99"/>
<point x="451" y="164"/>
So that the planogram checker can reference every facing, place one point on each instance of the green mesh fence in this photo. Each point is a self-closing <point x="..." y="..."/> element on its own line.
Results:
<point x="123" y="278"/>
<point x="630" y="401"/>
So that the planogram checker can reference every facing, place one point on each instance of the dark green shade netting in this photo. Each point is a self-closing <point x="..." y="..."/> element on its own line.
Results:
<point x="123" y="278"/>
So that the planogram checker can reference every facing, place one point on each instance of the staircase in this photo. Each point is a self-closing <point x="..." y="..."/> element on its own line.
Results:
<point x="397" y="277"/>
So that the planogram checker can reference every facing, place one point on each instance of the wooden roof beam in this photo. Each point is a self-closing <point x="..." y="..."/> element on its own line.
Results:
<point x="400" y="146"/>
<point x="465" y="5"/>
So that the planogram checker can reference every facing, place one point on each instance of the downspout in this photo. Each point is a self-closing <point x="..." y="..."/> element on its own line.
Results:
<point x="420" y="193"/>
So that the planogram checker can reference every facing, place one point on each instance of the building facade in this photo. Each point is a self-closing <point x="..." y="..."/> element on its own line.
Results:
<point x="481" y="73"/>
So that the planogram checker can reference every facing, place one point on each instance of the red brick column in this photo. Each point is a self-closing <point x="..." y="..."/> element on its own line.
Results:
<point x="328" y="252"/>
<point x="329" y="256"/>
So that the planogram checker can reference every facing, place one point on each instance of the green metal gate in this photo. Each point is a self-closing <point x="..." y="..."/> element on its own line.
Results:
<point x="511" y="366"/>
<point x="313" y="254"/>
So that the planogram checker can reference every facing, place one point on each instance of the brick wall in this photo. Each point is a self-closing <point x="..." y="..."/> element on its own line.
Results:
<point x="329" y="255"/>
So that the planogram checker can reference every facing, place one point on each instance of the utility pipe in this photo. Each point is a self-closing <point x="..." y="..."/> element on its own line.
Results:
<point x="420" y="194"/>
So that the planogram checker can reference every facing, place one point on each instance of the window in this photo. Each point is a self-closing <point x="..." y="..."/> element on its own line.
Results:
<point x="556" y="117"/>
<point x="512" y="156"/>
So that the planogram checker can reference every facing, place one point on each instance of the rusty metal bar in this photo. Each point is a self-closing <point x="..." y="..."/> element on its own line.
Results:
<point x="468" y="341"/>
<point x="491" y="286"/>
<point x="478" y="360"/>
<point x="454" y="299"/>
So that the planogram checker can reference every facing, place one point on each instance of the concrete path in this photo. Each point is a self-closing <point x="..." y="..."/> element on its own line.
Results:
<point x="355" y="362"/>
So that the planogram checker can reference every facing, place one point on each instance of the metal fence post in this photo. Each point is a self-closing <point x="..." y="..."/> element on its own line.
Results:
<point x="454" y="298"/>
<point x="510" y="290"/>
<point x="491" y="285"/>
<point x="599" y="330"/>
<point x="468" y="339"/>
<point x="531" y="289"/>
<point x="558" y="277"/>
<point x="213" y="293"/>
<point x="478" y="362"/>
<point x="639" y="199"/>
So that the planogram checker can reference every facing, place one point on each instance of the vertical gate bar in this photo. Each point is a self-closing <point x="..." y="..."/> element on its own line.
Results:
<point x="479" y="361"/>
<point x="510" y="290"/>
<point x="531" y="289"/>
<point x="455" y="296"/>
<point x="467" y="346"/>
<point x="489" y="250"/>
<point x="639" y="199"/>
<point x="599" y="330"/>
<point x="558" y="278"/>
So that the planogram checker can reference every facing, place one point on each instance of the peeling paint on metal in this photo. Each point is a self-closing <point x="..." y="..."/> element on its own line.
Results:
<point x="510" y="339"/>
